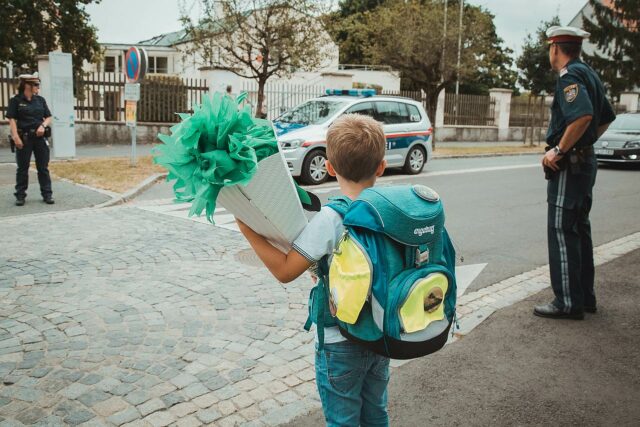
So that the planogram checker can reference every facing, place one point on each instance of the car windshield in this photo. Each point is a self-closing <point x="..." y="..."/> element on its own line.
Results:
<point x="626" y="122"/>
<point x="314" y="112"/>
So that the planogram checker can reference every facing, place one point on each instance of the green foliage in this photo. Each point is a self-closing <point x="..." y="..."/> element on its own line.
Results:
<point x="345" y="27"/>
<point x="536" y="74"/>
<point x="616" y="32"/>
<point x="35" y="27"/>
<point x="409" y="37"/>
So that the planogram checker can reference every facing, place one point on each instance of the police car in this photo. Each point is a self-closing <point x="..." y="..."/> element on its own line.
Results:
<point x="302" y="131"/>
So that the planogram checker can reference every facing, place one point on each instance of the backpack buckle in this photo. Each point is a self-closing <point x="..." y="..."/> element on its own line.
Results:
<point x="422" y="257"/>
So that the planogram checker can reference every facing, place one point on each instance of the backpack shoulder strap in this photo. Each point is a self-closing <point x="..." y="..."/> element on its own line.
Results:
<point x="340" y="204"/>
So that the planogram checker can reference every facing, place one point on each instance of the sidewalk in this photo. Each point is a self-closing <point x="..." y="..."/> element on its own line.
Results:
<point x="518" y="369"/>
<point x="67" y="195"/>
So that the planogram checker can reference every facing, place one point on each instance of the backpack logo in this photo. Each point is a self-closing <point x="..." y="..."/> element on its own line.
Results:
<point x="424" y="230"/>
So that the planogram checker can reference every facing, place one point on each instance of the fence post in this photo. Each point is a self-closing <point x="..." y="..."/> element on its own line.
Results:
<point x="502" y="111"/>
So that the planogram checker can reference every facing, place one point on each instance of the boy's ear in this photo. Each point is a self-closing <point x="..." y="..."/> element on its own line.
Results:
<point x="381" y="167"/>
<point x="330" y="170"/>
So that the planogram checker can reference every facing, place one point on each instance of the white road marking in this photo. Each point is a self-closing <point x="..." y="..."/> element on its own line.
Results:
<point x="326" y="188"/>
<point x="466" y="274"/>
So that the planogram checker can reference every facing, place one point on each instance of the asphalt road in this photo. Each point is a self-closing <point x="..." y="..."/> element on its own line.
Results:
<point x="496" y="209"/>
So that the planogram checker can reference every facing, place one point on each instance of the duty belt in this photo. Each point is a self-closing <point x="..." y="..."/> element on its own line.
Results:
<point x="584" y="151"/>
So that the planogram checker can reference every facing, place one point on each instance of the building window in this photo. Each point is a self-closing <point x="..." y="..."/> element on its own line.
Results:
<point x="110" y="64"/>
<point x="158" y="64"/>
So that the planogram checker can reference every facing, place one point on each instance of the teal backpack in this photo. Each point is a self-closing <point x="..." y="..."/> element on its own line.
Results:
<point x="390" y="283"/>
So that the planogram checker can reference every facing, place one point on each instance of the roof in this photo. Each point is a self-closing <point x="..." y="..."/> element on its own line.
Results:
<point x="167" y="39"/>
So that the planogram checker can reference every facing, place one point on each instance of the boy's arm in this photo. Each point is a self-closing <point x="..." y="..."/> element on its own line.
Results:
<point x="284" y="267"/>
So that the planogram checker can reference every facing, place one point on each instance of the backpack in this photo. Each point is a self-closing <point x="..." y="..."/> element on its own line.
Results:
<point x="390" y="283"/>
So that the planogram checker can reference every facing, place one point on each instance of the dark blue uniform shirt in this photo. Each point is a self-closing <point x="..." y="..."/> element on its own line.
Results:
<point x="28" y="114"/>
<point x="579" y="92"/>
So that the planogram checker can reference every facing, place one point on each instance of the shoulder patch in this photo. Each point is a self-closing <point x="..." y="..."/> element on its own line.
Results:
<point x="571" y="92"/>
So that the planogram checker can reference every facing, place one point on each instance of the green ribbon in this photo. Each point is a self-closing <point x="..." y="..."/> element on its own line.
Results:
<point x="219" y="145"/>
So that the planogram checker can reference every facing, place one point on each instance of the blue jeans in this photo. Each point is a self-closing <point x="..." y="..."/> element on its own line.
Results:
<point x="352" y="382"/>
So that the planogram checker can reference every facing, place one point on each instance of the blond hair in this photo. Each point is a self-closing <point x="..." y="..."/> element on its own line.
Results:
<point x="355" y="146"/>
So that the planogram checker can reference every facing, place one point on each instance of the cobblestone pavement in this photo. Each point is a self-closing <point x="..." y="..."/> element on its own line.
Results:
<point x="123" y="316"/>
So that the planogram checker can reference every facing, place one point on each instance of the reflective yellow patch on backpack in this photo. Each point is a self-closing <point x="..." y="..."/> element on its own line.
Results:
<point x="425" y="303"/>
<point x="349" y="280"/>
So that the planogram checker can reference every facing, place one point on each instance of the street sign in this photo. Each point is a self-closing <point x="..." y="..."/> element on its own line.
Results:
<point x="136" y="64"/>
<point x="132" y="92"/>
<point x="131" y="112"/>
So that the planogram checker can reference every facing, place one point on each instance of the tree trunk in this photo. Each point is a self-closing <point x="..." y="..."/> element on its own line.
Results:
<point x="260" y="106"/>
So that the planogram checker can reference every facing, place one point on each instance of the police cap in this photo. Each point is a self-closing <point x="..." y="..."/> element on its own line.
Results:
<point x="30" y="77"/>
<point x="557" y="34"/>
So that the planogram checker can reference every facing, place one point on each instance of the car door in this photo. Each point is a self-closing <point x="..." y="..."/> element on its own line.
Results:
<point x="394" y="117"/>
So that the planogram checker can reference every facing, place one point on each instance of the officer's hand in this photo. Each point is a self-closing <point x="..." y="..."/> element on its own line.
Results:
<point x="551" y="159"/>
<point x="40" y="130"/>
<point x="18" y="143"/>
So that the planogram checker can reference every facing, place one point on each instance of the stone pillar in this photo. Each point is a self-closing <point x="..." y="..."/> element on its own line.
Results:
<point x="502" y="111"/>
<point x="630" y="100"/>
<point x="44" y="72"/>
<point x="439" y="123"/>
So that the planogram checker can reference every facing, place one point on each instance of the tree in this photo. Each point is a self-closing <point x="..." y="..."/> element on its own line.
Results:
<point x="616" y="32"/>
<point x="407" y="36"/>
<point x="343" y="25"/>
<point x="258" y="39"/>
<point x="495" y="67"/>
<point x="34" y="27"/>
<point x="536" y="74"/>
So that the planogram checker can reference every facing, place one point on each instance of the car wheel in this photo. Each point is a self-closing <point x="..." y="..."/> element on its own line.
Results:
<point x="314" y="168"/>
<point x="415" y="161"/>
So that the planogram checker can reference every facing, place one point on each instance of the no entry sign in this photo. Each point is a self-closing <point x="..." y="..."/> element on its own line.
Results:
<point x="136" y="64"/>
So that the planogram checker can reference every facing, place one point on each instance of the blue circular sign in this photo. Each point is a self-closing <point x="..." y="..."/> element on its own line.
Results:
<point x="136" y="64"/>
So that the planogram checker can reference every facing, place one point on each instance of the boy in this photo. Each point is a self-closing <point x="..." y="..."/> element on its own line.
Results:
<point x="352" y="381"/>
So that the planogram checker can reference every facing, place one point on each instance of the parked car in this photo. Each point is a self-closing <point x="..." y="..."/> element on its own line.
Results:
<point x="621" y="142"/>
<point x="302" y="131"/>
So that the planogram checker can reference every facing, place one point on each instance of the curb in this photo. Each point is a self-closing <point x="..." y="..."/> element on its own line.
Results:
<point x="464" y="156"/>
<point x="134" y="192"/>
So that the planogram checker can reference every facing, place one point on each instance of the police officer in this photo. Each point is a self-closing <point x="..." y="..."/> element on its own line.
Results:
<point x="29" y="118"/>
<point x="580" y="113"/>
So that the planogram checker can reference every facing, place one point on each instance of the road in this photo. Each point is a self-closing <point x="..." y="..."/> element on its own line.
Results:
<point x="496" y="208"/>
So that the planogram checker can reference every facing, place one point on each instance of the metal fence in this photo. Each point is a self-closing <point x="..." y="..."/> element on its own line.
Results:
<point x="529" y="111"/>
<point x="280" y="97"/>
<point x="100" y="96"/>
<point x="469" y="110"/>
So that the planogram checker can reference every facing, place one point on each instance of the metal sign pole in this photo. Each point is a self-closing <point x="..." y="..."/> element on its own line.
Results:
<point x="136" y="68"/>
<point x="133" y="145"/>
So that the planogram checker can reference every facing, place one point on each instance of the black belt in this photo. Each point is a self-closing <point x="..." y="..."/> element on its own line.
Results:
<point x="585" y="151"/>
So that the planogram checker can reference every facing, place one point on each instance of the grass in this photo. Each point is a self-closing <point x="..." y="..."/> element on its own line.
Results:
<point x="443" y="150"/>
<point x="113" y="174"/>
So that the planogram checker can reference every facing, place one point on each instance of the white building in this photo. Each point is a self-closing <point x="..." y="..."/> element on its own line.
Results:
<point x="166" y="54"/>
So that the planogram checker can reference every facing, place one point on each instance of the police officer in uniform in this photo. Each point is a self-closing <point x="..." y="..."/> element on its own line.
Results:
<point x="29" y="118"/>
<point x="579" y="115"/>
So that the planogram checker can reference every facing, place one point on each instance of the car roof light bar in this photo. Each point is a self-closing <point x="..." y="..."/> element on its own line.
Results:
<point x="351" y="92"/>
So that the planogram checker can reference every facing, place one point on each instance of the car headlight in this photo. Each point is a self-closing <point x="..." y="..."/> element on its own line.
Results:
<point x="632" y="144"/>
<point x="293" y="144"/>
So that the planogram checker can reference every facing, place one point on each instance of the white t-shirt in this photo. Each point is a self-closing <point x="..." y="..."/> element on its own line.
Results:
<point x="319" y="238"/>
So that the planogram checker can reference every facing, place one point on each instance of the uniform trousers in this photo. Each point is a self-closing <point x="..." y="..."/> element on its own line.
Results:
<point x="569" y="198"/>
<point x="38" y="146"/>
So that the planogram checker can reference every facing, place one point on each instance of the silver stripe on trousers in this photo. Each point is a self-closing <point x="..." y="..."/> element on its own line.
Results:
<point x="562" y="246"/>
